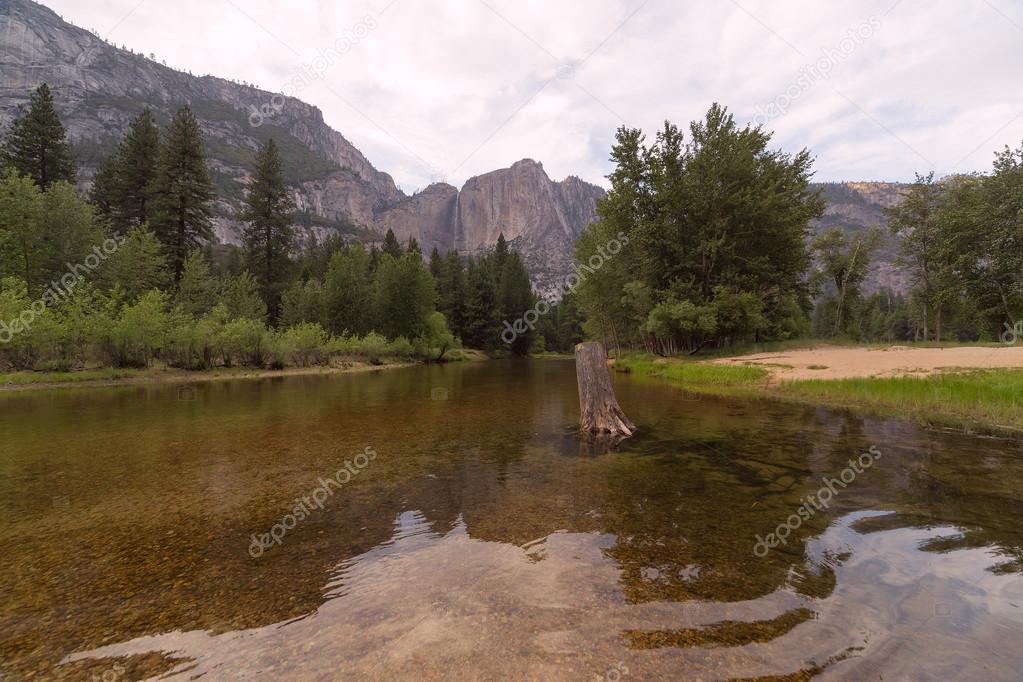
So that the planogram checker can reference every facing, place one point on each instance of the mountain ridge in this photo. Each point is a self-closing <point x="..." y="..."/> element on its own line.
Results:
<point x="99" y="88"/>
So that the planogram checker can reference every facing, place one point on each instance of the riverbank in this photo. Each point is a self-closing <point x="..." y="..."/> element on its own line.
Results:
<point x="107" y="376"/>
<point x="979" y="398"/>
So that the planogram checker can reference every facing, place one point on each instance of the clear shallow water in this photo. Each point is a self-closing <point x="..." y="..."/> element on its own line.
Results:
<point x="484" y="542"/>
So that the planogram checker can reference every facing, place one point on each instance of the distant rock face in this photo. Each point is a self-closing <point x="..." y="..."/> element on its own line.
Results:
<point x="857" y="206"/>
<point x="99" y="89"/>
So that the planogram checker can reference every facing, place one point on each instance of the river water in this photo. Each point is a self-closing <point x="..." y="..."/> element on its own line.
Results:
<point x="447" y="523"/>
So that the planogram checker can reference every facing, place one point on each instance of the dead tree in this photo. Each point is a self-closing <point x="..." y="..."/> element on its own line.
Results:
<point x="599" y="412"/>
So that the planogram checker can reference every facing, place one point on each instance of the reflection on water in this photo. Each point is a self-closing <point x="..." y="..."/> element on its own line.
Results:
<point x="486" y="542"/>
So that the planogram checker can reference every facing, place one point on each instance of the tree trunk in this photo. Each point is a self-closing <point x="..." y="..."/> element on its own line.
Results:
<point x="599" y="412"/>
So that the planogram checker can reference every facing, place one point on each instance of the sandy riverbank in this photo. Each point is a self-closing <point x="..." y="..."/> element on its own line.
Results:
<point x="891" y="361"/>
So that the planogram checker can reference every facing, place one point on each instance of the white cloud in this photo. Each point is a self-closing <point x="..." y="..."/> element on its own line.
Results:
<point x="459" y="87"/>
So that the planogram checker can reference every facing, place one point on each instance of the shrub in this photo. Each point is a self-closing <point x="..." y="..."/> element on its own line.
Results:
<point x="304" y="344"/>
<point x="138" y="332"/>
<point x="244" y="342"/>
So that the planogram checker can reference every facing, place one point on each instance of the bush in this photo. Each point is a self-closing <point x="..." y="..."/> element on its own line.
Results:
<point x="244" y="342"/>
<point x="138" y="332"/>
<point x="303" y="344"/>
<point x="436" y="338"/>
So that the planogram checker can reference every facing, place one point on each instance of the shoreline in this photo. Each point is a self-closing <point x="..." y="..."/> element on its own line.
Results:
<point x="182" y="376"/>
<point x="972" y="400"/>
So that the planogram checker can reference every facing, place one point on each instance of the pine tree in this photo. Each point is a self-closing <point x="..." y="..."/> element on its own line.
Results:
<point x="482" y="326"/>
<point x="182" y="191"/>
<point x="101" y="194"/>
<point x="269" y="237"/>
<point x="413" y="246"/>
<point x="348" y="291"/>
<point x="135" y="172"/>
<point x="391" y="245"/>
<point x="451" y="288"/>
<point x="37" y="145"/>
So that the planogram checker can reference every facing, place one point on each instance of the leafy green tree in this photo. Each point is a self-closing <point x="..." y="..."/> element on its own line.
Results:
<point x="435" y="339"/>
<point x="197" y="290"/>
<point x="135" y="173"/>
<point x="348" y="292"/>
<point x="242" y="298"/>
<point x="303" y="302"/>
<point x="21" y="246"/>
<point x="844" y="261"/>
<point x="719" y="216"/>
<point x="182" y="191"/>
<point x="405" y="295"/>
<point x="923" y="250"/>
<point x="139" y="331"/>
<point x="268" y="237"/>
<point x="36" y="144"/>
<point x="68" y="231"/>
<point x="136" y="267"/>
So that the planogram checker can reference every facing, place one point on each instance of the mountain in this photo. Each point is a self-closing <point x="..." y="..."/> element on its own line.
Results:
<point x="99" y="88"/>
<point x="857" y="206"/>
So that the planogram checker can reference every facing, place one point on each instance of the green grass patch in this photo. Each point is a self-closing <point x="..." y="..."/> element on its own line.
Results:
<point x="987" y="397"/>
<point x="695" y="375"/>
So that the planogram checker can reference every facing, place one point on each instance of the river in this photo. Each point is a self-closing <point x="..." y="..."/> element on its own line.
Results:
<point x="446" y="522"/>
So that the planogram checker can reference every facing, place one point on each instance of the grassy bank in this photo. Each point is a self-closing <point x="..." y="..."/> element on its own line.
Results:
<point x="160" y="374"/>
<point x="970" y="400"/>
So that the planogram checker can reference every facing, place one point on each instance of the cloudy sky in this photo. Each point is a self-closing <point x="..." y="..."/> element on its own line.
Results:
<point x="446" y="89"/>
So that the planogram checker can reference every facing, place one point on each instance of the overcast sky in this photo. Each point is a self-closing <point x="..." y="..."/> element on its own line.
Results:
<point x="446" y="89"/>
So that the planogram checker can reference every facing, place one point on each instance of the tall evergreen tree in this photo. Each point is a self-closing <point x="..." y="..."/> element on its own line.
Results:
<point x="269" y="237"/>
<point x="37" y="145"/>
<point x="391" y="245"/>
<point x="183" y="191"/>
<point x="101" y="194"/>
<point x="135" y="172"/>
<point x="482" y="327"/>
<point x="348" y="291"/>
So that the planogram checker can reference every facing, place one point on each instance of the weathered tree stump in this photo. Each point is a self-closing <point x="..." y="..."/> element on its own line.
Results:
<point x="599" y="412"/>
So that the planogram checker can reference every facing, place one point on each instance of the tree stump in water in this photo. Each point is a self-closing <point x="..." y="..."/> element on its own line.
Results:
<point x="599" y="412"/>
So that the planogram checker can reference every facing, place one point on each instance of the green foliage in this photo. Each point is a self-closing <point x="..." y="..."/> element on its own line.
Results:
<point x="196" y="294"/>
<point x="391" y="245"/>
<point x="405" y="295"/>
<point x="245" y="342"/>
<point x="348" y="292"/>
<point x="436" y="339"/>
<point x="304" y="343"/>
<point x="302" y="302"/>
<point x="134" y="172"/>
<point x="182" y="191"/>
<point x="241" y="297"/>
<point x="133" y="337"/>
<point x="137" y="266"/>
<point x="36" y="144"/>
<point x="703" y="226"/>
<point x="268" y="235"/>
<point x="844" y="261"/>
